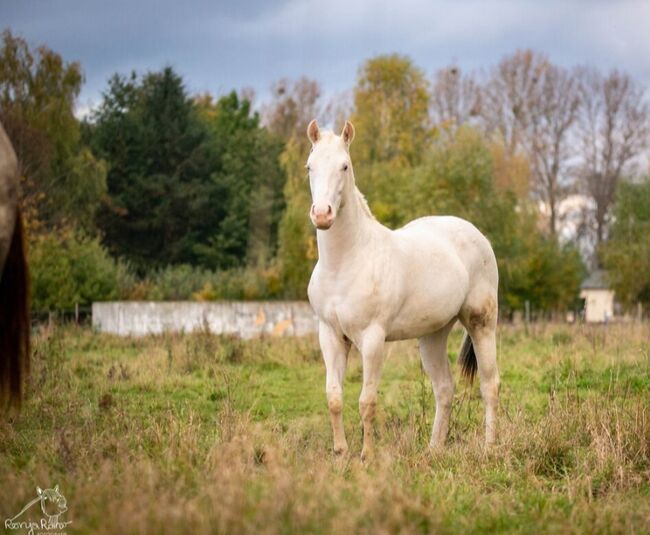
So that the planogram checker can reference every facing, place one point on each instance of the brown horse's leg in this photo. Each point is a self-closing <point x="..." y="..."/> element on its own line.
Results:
<point x="14" y="319"/>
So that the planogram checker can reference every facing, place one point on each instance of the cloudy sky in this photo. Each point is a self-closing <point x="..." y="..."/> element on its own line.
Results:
<point x="218" y="46"/>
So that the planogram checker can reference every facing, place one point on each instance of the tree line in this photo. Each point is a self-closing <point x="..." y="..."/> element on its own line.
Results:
<point x="161" y="194"/>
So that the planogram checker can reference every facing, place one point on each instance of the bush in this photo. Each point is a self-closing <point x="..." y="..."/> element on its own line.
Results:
<point x="175" y="283"/>
<point x="183" y="282"/>
<point x="68" y="267"/>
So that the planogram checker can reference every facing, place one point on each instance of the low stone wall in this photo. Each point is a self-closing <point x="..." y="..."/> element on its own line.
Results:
<point x="246" y="319"/>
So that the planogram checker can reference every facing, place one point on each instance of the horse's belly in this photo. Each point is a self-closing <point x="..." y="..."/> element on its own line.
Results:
<point x="431" y="303"/>
<point x="419" y="322"/>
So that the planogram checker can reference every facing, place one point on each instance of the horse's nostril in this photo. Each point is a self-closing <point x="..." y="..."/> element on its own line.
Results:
<point x="329" y="209"/>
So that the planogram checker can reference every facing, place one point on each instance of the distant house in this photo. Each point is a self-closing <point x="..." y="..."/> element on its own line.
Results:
<point x="599" y="298"/>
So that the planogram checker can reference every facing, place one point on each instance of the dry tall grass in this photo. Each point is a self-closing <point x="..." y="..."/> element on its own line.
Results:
<point x="189" y="434"/>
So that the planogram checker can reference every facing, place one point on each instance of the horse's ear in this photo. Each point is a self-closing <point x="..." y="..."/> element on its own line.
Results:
<point x="313" y="133"/>
<point x="39" y="491"/>
<point x="348" y="132"/>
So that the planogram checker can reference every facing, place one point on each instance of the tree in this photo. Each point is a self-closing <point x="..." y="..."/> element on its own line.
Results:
<point x="191" y="180"/>
<point x="455" y="97"/>
<point x="62" y="181"/>
<point x="391" y="116"/>
<point x="510" y="95"/>
<point x="533" y="105"/>
<point x="158" y="182"/>
<point x="391" y="112"/>
<point x="614" y="129"/>
<point x="297" y="244"/>
<point x="247" y="170"/>
<point x="293" y="105"/>
<point x="554" y="110"/>
<point x="626" y="255"/>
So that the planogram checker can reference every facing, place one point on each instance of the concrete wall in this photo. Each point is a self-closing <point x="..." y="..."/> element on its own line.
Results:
<point x="247" y="319"/>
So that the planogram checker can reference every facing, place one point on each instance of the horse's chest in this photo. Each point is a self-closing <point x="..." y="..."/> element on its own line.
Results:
<point x="347" y="304"/>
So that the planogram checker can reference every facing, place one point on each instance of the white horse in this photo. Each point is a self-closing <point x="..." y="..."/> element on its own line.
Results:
<point x="372" y="285"/>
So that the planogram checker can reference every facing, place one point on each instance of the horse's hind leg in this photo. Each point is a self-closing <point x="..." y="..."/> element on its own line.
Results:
<point x="485" y="346"/>
<point x="433" y="351"/>
<point x="335" y="350"/>
<point x="481" y="324"/>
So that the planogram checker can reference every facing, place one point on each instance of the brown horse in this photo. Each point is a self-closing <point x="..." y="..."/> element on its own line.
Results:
<point x="14" y="282"/>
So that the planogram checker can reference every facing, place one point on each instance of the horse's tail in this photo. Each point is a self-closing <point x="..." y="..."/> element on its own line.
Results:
<point x="14" y="320"/>
<point x="467" y="359"/>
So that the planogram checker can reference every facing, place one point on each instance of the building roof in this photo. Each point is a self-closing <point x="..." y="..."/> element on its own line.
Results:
<point x="597" y="280"/>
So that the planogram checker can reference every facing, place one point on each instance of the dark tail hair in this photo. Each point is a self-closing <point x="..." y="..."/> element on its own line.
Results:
<point x="467" y="359"/>
<point x="14" y="320"/>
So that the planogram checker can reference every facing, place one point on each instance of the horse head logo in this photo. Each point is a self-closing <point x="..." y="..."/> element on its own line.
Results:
<point x="53" y="503"/>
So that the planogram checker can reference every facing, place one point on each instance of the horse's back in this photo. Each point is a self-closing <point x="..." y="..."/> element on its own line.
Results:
<point x="456" y="237"/>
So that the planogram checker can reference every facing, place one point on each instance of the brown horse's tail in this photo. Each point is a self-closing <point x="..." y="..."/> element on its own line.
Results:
<point x="467" y="359"/>
<point x="14" y="320"/>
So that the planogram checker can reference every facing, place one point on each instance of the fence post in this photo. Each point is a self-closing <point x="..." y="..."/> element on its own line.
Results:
<point x="76" y="313"/>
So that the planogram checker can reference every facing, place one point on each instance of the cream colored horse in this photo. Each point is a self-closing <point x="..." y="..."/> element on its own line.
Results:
<point x="372" y="285"/>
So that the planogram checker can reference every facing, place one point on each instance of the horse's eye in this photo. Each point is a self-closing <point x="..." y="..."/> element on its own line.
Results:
<point x="308" y="167"/>
<point x="345" y="166"/>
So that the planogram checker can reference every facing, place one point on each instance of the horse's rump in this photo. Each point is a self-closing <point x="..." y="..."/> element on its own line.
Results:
<point x="14" y="320"/>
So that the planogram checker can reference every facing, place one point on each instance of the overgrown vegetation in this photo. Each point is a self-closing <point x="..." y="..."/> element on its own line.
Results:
<point x="199" y="433"/>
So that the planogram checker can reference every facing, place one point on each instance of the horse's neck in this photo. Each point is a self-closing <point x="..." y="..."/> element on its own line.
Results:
<point x="352" y="228"/>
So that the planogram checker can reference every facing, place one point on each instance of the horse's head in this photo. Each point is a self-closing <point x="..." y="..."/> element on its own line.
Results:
<point x="53" y="503"/>
<point x="330" y="169"/>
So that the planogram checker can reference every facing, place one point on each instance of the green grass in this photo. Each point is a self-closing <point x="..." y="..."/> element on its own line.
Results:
<point x="198" y="433"/>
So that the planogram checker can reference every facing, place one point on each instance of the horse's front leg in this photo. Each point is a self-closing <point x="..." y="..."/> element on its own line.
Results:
<point x="335" y="348"/>
<point x="371" y="346"/>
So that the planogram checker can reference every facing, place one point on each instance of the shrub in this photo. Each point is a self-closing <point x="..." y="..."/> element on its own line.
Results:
<point x="183" y="282"/>
<point x="68" y="267"/>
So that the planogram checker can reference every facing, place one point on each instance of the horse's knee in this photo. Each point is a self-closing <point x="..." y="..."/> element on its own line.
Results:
<point x="335" y="403"/>
<point x="367" y="406"/>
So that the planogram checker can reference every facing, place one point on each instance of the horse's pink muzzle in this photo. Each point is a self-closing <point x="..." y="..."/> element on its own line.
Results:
<point x="322" y="215"/>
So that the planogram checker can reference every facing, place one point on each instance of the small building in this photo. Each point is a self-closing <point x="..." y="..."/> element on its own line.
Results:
<point x="599" y="298"/>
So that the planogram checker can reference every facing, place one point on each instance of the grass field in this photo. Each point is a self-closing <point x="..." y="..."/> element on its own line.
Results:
<point x="206" y="434"/>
